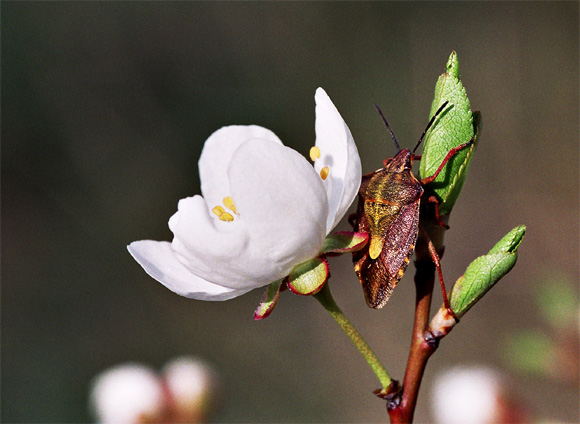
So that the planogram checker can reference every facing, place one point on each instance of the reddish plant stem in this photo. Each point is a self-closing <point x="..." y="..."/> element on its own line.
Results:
<point x="420" y="350"/>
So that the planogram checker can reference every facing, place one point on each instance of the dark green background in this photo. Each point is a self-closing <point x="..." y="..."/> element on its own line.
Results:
<point x="105" y="108"/>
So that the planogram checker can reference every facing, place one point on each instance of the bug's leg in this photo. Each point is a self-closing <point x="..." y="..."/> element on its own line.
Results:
<point x="435" y="258"/>
<point x="449" y="155"/>
<point x="433" y="199"/>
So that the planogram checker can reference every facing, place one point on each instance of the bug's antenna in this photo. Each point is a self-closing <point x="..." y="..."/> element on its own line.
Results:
<point x="431" y="123"/>
<point x="388" y="127"/>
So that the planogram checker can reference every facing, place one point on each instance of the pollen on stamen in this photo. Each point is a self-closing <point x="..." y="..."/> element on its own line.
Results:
<point x="324" y="172"/>
<point x="229" y="203"/>
<point x="218" y="210"/>
<point x="314" y="153"/>
<point x="226" y="217"/>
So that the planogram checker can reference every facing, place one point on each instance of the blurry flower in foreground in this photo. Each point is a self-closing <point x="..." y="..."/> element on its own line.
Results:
<point x="264" y="209"/>
<point x="135" y="394"/>
<point x="128" y="393"/>
<point x="474" y="395"/>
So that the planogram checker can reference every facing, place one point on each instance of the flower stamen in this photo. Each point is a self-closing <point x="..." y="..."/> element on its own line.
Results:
<point x="229" y="203"/>
<point x="324" y="172"/>
<point x="226" y="217"/>
<point x="314" y="153"/>
<point x="218" y="210"/>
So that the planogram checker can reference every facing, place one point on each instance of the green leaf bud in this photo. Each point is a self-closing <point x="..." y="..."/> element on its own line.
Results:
<point x="456" y="125"/>
<point x="485" y="271"/>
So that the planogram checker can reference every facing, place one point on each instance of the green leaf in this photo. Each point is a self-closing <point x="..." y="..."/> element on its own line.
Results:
<point x="456" y="125"/>
<point x="485" y="271"/>
<point x="269" y="300"/>
<point x="308" y="277"/>
<point x="344" y="241"/>
<point x="511" y="241"/>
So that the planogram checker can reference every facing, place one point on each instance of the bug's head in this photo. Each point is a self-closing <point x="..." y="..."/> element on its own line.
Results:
<point x="404" y="157"/>
<point x="401" y="161"/>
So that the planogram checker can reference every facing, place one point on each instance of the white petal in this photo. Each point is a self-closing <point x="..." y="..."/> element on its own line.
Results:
<point x="217" y="153"/>
<point x="283" y="203"/>
<point x="202" y="240"/>
<point x="339" y="153"/>
<point x="214" y="250"/>
<point x="282" y="210"/>
<point x="161" y="263"/>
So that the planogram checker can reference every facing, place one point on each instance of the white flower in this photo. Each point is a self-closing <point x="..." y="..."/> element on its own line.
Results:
<point x="129" y="393"/>
<point x="135" y="394"/>
<point x="474" y="395"/>
<point x="264" y="209"/>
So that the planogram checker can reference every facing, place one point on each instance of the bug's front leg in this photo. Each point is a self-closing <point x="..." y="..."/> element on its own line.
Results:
<point x="449" y="155"/>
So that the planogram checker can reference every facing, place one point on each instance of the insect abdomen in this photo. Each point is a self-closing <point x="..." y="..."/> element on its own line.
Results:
<point x="388" y="211"/>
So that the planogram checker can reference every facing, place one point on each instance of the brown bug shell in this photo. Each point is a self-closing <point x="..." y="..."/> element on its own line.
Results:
<point x="388" y="210"/>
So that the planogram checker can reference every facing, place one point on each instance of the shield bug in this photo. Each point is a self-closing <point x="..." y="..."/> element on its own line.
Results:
<point x="388" y="210"/>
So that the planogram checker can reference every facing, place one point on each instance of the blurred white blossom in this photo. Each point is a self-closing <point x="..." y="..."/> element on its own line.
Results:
<point x="129" y="393"/>
<point x="135" y="394"/>
<point x="264" y="209"/>
<point x="474" y="395"/>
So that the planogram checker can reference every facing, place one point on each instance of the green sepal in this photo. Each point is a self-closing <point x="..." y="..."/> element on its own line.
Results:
<point x="456" y="125"/>
<point x="485" y="271"/>
<point x="344" y="242"/>
<point x="308" y="277"/>
<point x="269" y="300"/>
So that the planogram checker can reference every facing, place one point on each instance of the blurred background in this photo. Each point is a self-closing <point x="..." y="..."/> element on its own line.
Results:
<point x="105" y="109"/>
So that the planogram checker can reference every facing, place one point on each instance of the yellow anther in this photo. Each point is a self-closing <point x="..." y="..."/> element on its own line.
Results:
<point x="314" y="153"/>
<point x="324" y="172"/>
<point x="226" y="217"/>
<point x="229" y="203"/>
<point x="218" y="210"/>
